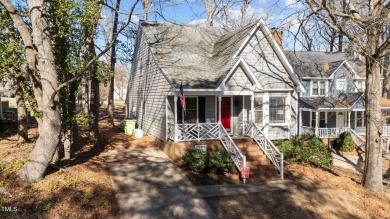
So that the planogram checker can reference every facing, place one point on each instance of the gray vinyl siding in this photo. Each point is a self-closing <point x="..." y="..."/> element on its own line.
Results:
<point x="247" y="108"/>
<point x="265" y="64"/>
<point x="210" y="103"/>
<point x="171" y="109"/>
<point x="238" y="81"/>
<point x="148" y="91"/>
<point x="342" y="73"/>
<point x="294" y="114"/>
<point x="278" y="132"/>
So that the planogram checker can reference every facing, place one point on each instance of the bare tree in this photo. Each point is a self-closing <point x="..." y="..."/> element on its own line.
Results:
<point x="42" y="70"/>
<point x="363" y="24"/>
<point x="211" y="7"/>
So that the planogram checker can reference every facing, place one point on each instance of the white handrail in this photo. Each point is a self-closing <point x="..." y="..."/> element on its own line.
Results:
<point x="266" y="145"/>
<point x="229" y="145"/>
<point x="208" y="131"/>
<point x="359" y="141"/>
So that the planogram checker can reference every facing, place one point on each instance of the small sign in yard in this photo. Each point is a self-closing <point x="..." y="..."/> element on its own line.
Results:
<point x="201" y="147"/>
<point x="245" y="172"/>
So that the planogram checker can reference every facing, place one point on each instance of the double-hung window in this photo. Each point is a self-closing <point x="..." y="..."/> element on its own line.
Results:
<point x="359" y="118"/>
<point x="318" y="88"/>
<point x="277" y="110"/>
<point x="321" y="119"/>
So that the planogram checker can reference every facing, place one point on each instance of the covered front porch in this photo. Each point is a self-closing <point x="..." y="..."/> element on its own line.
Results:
<point x="208" y="116"/>
<point x="330" y="124"/>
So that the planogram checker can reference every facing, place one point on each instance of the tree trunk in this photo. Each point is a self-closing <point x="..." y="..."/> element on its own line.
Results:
<point x="48" y="139"/>
<point x="110" y="106"/>
<point x="95" y="93"/>
<point x="372" y="177"/>
<point x="22" y="112"/>
<point x="95" y="98"/>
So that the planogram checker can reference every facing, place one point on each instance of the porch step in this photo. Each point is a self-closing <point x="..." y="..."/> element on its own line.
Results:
<point x="260" y="166"/>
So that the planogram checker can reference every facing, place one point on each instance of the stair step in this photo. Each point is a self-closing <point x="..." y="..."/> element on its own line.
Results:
<point x="255" y="163"/>
<point x="255" y="157"/>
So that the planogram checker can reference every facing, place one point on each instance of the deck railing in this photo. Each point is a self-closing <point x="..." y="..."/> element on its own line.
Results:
<point x="386" y="130"/>
<point x="266" y="145"/>
<point x="208" y="131"/>
<point x="359" y="141"/>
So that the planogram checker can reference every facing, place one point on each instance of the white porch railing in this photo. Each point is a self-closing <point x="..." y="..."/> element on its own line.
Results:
<point x="359" y="141"/>
<point x="266" y="145"/>
<point x="171" y="131"/>
<point x="386" y="130"/>
<point x="208" y="131"/>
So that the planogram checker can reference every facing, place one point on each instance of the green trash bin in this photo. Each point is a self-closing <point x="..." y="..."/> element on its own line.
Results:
<point x="129" y="126"/>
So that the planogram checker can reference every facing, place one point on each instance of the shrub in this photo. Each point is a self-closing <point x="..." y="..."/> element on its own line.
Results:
<point x="306" y="148"/>
<point x="216" y="160"/>
<point x="195" y="160"/>
<point x="345" y="142"/>
<point x="219" y="161"/>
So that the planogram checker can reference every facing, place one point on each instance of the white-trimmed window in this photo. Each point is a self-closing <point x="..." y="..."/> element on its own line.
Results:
<point x="321" y="121"/>
<point x="258" y="110"/>
<point x="277" y="110"/>
<point x="360" y="85"/>
<point x="318" y="88"/>
<point x="359" y="119"/>
<point x="341" y="84"/>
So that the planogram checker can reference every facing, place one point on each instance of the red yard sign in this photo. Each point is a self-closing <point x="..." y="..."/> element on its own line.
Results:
<point x="245" y="172"/>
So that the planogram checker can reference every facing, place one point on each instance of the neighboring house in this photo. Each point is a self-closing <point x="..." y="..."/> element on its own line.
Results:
<point x="334" y="98"/>
<point x="236" y="83"/>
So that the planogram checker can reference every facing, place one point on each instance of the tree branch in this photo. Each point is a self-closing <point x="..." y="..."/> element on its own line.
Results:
<point x="94" y="59"/>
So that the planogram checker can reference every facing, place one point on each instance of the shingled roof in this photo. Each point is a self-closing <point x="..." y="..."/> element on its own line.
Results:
<point x="311" y="64"/>
<point x="198" y="57"/>
<point x="345" y="101"/>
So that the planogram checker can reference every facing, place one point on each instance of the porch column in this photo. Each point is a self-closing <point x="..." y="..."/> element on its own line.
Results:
<point x="175" y="113"/>
<point x="317" y="121"/>
<point x="243" y="116"/>
<point x="219" y="108"/>
<point x="349" y="119"/>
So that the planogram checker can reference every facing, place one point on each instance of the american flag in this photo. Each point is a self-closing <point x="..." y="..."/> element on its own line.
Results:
<point x="182" y="98"/>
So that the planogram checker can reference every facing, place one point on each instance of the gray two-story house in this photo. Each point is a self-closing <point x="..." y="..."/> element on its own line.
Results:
<point x="236" y="84"/>
<point x="333" y="101"/>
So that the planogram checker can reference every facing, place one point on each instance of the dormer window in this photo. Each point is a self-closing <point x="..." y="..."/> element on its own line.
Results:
<point x="318" y="88"/>
<point x="341" y="84"/>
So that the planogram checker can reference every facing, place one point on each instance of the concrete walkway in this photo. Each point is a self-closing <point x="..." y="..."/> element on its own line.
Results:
<point x="351" y="162"/>
<point x="149" y="185"/>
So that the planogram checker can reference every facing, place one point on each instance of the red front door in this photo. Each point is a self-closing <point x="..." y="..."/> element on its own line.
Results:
<point x="225" y="112"/>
